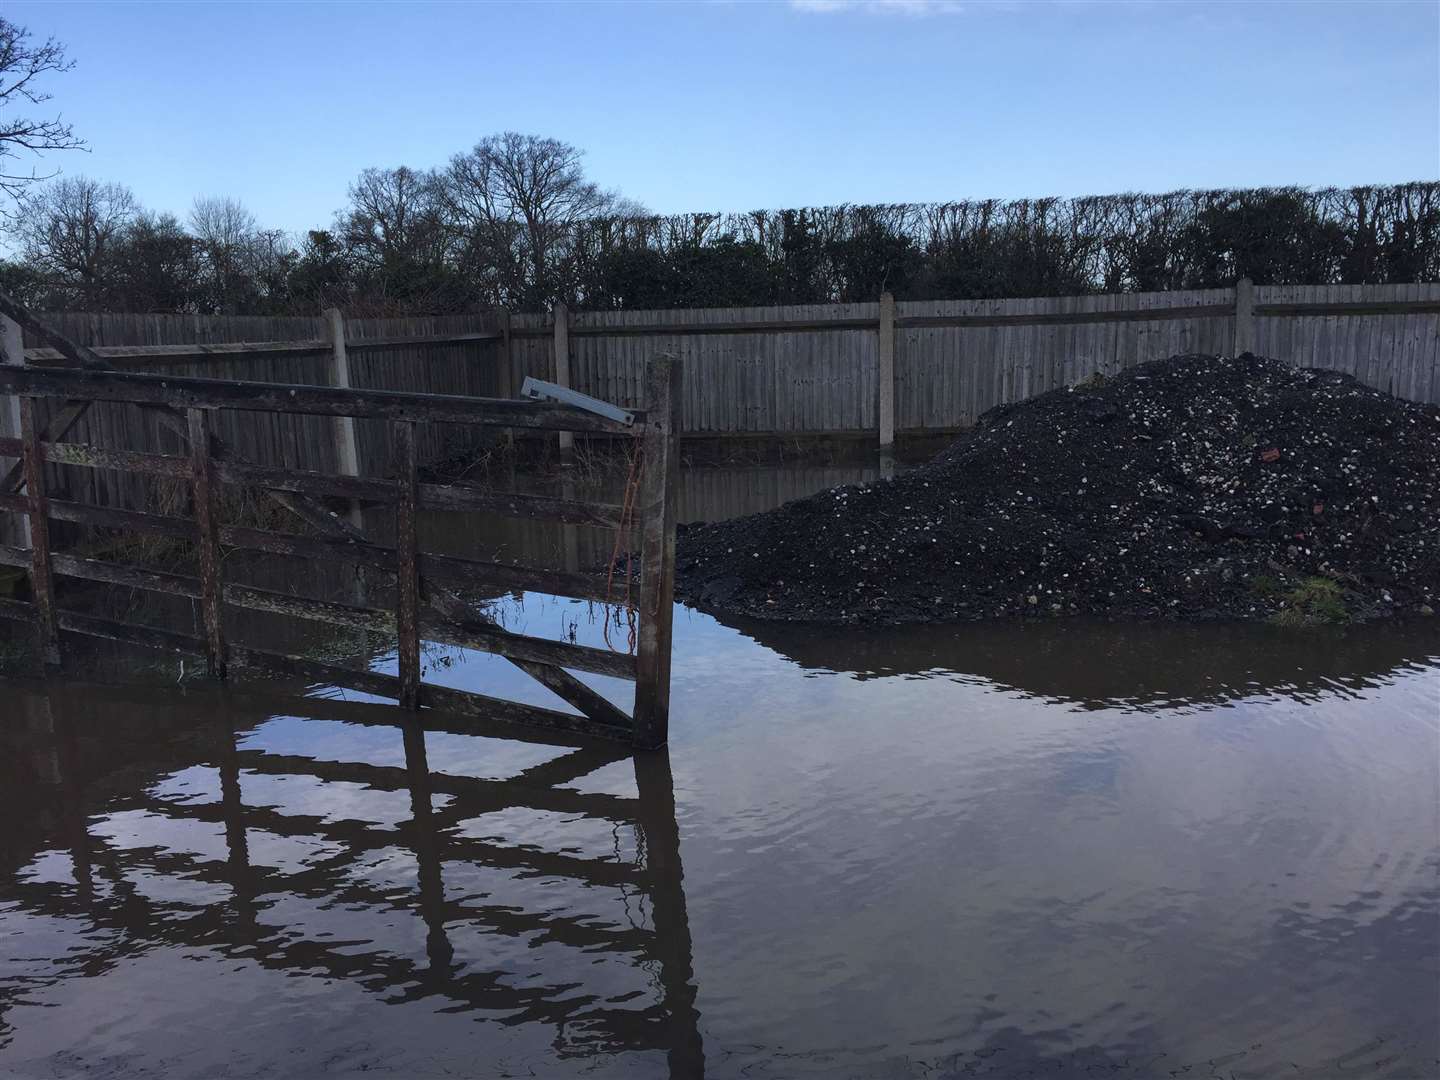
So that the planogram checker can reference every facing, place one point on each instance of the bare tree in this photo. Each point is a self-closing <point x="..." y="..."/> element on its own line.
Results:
<point x="401" y="241"/>
<point x="71" y="230"/>
<point x="224" y="230"/>
<point x="22" y="64"/>
<point x="394" y="216"/>
<point x="520" y="197"/>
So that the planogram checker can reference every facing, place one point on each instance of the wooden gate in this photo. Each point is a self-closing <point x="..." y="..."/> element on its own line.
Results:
<point x="426" y="603"/>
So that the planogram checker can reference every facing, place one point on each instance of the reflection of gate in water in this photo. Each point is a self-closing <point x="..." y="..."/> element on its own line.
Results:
<point x="76" y="764"/>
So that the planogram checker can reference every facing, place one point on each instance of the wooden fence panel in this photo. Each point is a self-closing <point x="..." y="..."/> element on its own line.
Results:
<point x="302" y="442"/>
<point x="768" y="381"/>
<point x="947" y="375"/>
<point x="782" y="371"/>
<point x="1396" y="351"/>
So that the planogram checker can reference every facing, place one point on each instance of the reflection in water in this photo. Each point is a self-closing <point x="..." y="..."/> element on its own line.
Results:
<point x="133" y="831"/>
<point x="1100" y="665"/>
<point x="1047" y="850"/>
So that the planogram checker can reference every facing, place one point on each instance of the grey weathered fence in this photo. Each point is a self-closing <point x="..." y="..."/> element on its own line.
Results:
<point x="927" y="366"/>
<point x="431" y="355"/>
<point x="866" y="370"/>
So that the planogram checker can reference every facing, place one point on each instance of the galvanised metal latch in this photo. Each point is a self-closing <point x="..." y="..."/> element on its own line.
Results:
<point x="540" y="390"/>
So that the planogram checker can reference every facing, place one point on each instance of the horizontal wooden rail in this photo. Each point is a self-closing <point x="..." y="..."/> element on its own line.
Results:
<point x="159" y="354"/>
<point x="280" y="696"/>
<point x="131" y="355"/>
<point x="460" y="703"/>
<point x="497" y="577"/>
<point x="508" y="578"/>
<point x="440" y="341"/>
<point x="489" y="639"/>
<point x="761" y="326"/>
<point x="764" y="326"/>
<point x="1066" y="318"/>
<point x="134" y="521"/>
<point x="460" y="498"/>
<point x="500" y="642"/>
<point x="93" y="457"/>
<point x="191" y="393"/>
<point x="1388" y="307"/>
<point x="128" y="355"/>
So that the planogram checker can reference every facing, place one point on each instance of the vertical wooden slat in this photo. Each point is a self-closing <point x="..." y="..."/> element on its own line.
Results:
<point x="407" y="582"/>
<point x="202" y="487"/>
<point x="657" y="559"/>
<point x="42" y="582"/>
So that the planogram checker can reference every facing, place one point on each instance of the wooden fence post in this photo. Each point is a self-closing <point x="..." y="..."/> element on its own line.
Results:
<point x="407" y="580"/>
<point x="347" y="446"/>
<point x="658" y="486"/>
<point x="202" y="488"/>
<point x="886" y="404"/>
<point x="12" y="351"/>
<point x="42" y="581"/>
<point x="1244" y="316"/>
<point x="562" y="366"/>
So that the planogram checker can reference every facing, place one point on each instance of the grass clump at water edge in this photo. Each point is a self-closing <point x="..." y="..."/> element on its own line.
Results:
<point x="1314" y="601"/>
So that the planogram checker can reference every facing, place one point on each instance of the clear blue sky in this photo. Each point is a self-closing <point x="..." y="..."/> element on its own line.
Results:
<point x="714" y="105"/>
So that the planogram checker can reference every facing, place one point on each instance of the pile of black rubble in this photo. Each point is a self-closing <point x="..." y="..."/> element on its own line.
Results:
<point x="1199" y="487"/>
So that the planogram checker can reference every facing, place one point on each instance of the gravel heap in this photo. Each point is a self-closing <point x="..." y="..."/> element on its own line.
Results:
<point x="1199" y="487"/>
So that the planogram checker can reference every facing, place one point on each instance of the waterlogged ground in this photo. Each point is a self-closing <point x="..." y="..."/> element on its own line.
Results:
<point x="1012" y="851"/>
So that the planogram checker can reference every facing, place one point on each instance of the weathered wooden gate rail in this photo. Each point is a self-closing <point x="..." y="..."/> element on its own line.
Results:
<point x="423" y="607"/>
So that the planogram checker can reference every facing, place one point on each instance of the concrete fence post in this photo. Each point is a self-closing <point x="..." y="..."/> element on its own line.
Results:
<point x="562" y="365"/>
<point x="347" y="446"/>
<point x="506" y="381"/>
<point x="1244" y="316"/>
<point x="886" y="403"/>
<point x="14" y="528"/>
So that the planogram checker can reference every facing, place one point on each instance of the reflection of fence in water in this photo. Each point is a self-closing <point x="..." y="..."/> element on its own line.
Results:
<point x="704" y="493"/>
<point x="119" y="831"/>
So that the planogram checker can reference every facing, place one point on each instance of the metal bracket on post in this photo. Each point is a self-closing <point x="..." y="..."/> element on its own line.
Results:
<point x="540" y="390"/>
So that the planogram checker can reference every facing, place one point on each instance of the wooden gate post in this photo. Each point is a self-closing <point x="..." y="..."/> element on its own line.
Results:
<point x="407" y="573"/>
<point x="14" y="528"/>
<point x="202" y="492"/>
<point x="658" y="486"/>
<point x="42" y="581"/>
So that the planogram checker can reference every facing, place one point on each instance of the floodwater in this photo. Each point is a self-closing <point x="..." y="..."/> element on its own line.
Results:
<point x="1050" y="850"/>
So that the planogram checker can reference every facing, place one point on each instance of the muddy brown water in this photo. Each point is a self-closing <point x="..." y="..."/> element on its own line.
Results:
<point x="1050" y="850"/>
